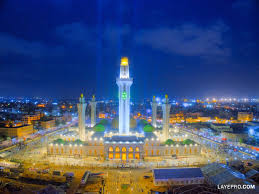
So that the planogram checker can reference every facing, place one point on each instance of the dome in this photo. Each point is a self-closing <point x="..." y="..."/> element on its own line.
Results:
<point x="187" y="142"/>
<point x="169" y="142"/>
<point x="99" y="128"/>
<point x="59" y="141"/>
<point x="148" y="128"/>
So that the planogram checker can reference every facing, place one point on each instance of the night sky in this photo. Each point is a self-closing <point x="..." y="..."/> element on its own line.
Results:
<point x="187" y="48"/>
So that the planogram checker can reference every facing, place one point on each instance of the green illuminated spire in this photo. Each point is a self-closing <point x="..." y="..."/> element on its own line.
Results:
<point x="124" y="95"/>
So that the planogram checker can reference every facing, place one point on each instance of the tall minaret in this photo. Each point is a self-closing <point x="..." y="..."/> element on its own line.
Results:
<point x="93" y="111"/>
<point x="81" y="117"/>
<point x="166" y="111"/>
<point x="154" y="111"/>
<point x="124" y="82"/>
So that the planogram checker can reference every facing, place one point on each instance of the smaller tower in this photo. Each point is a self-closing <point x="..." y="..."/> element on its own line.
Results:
<point x="81" y="106"/>
<point x="166" y="111"/>
<point x="154" y="111"/>
<point x="93" y="111"/>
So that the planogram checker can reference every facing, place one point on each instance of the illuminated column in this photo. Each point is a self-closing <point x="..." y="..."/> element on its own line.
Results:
<point x="154" y="111"/>
<point x="93" y="111"/>
<point x="124" y="82"/>
<point x="81" y="106"/>
<point x="166" y="111"/>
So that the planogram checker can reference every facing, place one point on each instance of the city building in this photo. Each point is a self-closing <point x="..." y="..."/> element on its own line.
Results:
<point x="178" y="176"/>
<point x="27" y="119"/>
<point x="244" y="116"/>
<point x="234" y="136"/>
<point x="17" y="131"/>
<point x="48" y="124"/>
<point x="221" y="127"/>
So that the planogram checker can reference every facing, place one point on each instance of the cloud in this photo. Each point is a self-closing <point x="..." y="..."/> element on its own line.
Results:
<point x="187" y="40"/>
<point x="243" y="4"/>
<point x="77" y="38"/>
<point x="80" y="34"/>
<point x="76" y="33"/>
<point x="13" y="45"/>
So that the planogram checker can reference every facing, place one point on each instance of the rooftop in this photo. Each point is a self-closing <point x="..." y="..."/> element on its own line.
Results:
<point x="121" y="138"/>
<point x="177" y="173"/>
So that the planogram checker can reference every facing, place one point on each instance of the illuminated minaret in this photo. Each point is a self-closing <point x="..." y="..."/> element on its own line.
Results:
<point x="81" y="106"/>
<point x="124" y="82"/>
<point x="93" y="111"/>
<point x="154" y="110"/>
<point x="166" y="111"/>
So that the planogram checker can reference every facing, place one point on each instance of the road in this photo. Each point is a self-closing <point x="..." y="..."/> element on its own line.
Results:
<point x="219" y="145"/>
<point x="49" y="133"/>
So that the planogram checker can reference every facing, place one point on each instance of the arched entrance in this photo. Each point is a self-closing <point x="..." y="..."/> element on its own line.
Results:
<point x="110" y="153"/>
<point x="124" y="154"/>
<point x="117" y="153"/>
<point x="130" y="153"/>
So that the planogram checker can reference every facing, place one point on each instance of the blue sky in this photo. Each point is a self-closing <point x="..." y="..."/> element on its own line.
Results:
<point x="60" y="48"/>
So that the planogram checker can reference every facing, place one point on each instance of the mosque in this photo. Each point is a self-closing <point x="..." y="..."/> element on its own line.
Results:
<point x="124" y="144"/>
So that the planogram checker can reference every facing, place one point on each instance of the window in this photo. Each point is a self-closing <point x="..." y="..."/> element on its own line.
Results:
<point x="130" y="155"/>
<point x="157" y="152"/>
<point x="110" y="149"/>
<point x="110" y="155"/>
<point x="117" y="155"/>
<point x="137" y="149"/>
<point x="123" y="149"/>
<point x="117" y="149"/>
<point x="130" y="149"/>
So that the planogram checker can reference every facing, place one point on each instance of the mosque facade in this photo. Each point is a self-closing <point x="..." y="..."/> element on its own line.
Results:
<point x="122" y="146"/>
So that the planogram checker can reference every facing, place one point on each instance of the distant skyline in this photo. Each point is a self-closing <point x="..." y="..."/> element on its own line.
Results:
<point x="57" y="48"/>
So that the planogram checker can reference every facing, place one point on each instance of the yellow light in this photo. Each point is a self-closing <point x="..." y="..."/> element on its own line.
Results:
<point x="124" y="61"/>
<point x="82" y="95"/>
<point x="166" y="96"/>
